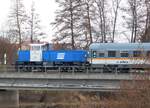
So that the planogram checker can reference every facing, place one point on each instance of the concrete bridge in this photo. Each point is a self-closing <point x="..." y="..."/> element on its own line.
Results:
<point x="63" y="81"/>
<point x="11" y="82"/>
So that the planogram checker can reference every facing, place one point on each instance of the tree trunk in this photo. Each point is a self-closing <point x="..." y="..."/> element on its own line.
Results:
<point x="18" y="25"/>
<point x="89" y="24"/>
<point x="115" y="20"/>
<point x="71" y="23"/>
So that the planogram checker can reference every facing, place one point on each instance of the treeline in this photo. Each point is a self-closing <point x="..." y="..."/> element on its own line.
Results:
<point x="8" y="48"/>
<point x="82" y="22"/>
<point x="21" y="25"/>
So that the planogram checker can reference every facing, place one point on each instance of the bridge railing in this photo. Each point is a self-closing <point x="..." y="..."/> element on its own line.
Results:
<point x="58" y="70"/>
<point x="51" y="69"/>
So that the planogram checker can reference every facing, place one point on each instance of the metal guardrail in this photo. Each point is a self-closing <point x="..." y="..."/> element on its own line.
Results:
<point x="61" y="73"/>
<point x="56" y="69"/>
<point x="57" y="80"/>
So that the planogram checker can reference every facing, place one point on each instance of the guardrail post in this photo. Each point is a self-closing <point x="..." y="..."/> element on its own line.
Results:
<point x="18" y="69"/>
<point x="73" y="72"/>
<point x="32" y="69"/>
<point x="116" y="72"/>
<point x="45" y="69"/>
<point x="87" y="71"/>
<point x="59" y="70"/>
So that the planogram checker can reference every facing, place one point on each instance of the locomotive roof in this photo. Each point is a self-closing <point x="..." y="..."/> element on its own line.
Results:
<point x="119" y="46"/>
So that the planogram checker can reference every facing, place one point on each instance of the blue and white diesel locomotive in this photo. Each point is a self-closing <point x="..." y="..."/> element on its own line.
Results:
<point x="41" y="57"/>
<point x="106" y="57"/>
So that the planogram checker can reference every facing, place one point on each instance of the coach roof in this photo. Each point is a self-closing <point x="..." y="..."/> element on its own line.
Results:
<point x="119" y="46"/>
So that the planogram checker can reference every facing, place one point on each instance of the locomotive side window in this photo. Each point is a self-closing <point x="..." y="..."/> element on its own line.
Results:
<point x="124" y="54"/>
<point x="111" y="53"/>
<point x="45" y="47"/>
<point x="137" y="53"/>
<point x="94" y="54"/>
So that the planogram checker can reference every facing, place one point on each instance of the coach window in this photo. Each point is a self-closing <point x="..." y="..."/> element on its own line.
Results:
<point x="111" y="53"/>
<point x="124" y="54"/>
<point x="101" y="54"/>
<point x="137" y="53"/>
<point x="148" y="54"/>
<point x="94" y="54"/>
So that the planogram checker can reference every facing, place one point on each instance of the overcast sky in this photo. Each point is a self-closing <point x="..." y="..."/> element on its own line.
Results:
<point x="46" y="9"/>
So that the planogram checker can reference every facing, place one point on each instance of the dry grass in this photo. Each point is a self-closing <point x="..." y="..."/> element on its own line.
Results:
<point x="135" y="94"/>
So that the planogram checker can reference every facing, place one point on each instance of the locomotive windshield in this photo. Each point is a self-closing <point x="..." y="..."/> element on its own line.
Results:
<point x="39" y="47"/>
<point x="36" y="48"/>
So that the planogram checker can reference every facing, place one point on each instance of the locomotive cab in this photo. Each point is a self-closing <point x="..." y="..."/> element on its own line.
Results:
<point x="36" y="52"/>
<point x="31" y="57"/>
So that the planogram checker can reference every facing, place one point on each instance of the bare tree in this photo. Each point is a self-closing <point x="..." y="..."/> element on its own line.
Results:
<point x="88" y="17"/>
<point x="116" y="4"/>
<point x="146" y="36"/>
<point x="85" y="27"/>
<point x="147" y="3"/>
<point x="101" y="19"/>
<point x="71" y="23"/>
<point x="65" y="21"/>
<point x="133" y="6"/>
<point x="17" y="20"/>
<point x="34" y="28"/>
<point x="8" y="48"/>
<point x="135" y="18"/>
